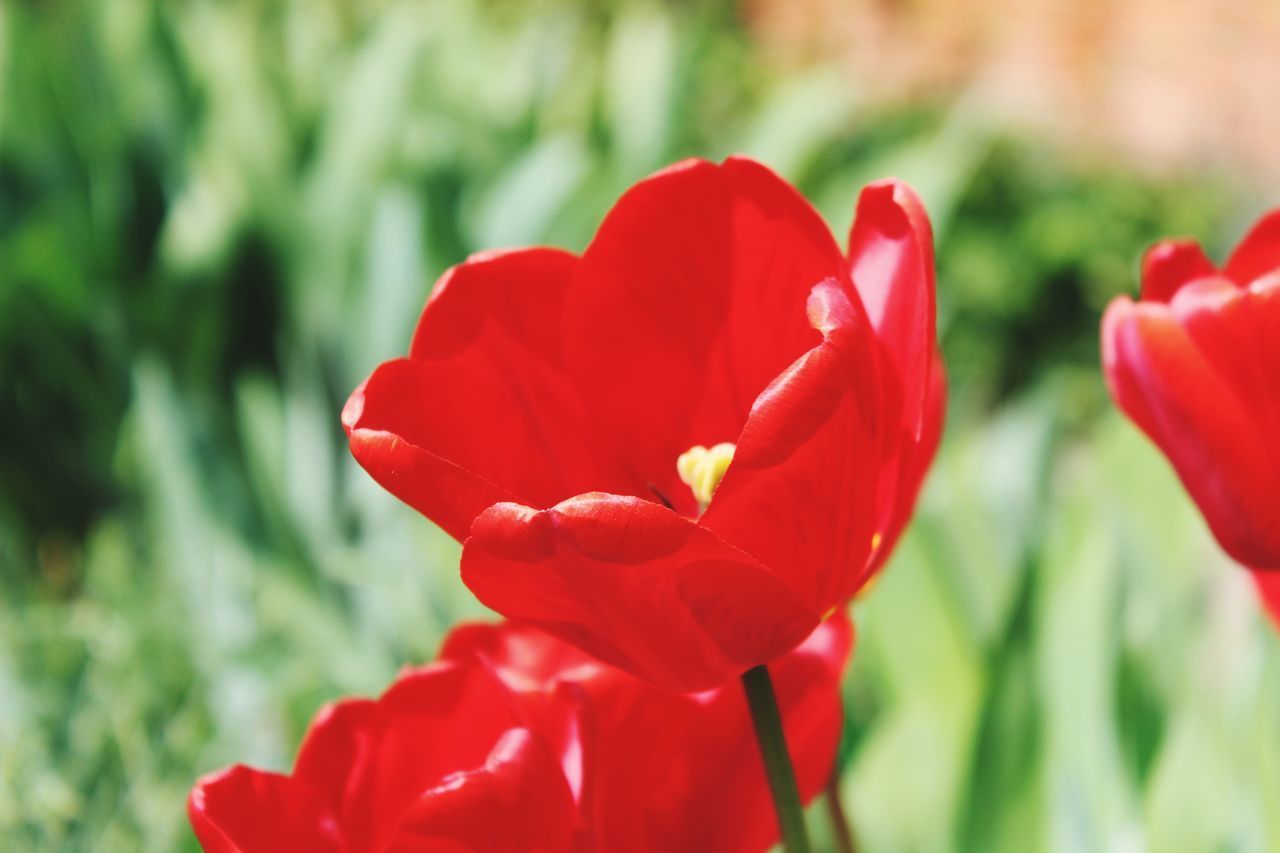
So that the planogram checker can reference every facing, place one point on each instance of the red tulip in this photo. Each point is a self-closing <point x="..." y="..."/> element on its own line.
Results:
<point x="517" y="741"/>
<point x="1196" y="365"/>
<point x="670" y="771"/>
<point x="443" y="761"/>
<point x="547" y="399"/>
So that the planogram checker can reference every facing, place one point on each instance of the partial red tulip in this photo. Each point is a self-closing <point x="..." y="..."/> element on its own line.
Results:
<point x="670" y="771"/>
<point x="443" y="761"/>
<point x="681" y="449"/>
<point x="516" y="741"/>
<point x="1196" y="364"/>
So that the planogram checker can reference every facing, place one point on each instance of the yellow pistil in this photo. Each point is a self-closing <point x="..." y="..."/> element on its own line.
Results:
<point x="702" y="469"/>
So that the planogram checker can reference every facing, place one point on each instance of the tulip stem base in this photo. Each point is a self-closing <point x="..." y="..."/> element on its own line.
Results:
<point x="777" y="761"/>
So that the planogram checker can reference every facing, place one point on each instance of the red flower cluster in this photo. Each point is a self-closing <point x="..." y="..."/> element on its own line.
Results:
<point x="1196" y="365"/>
<point x="515" y="741"/>
<point x="555" y="413"/>
<point x="547" y="398"/>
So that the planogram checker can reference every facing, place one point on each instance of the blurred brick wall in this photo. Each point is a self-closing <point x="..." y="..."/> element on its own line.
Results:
<point x="1170" y="82"/>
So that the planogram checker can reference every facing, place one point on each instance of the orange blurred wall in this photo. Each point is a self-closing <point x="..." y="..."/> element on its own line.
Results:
<point x="1170" y="82"/>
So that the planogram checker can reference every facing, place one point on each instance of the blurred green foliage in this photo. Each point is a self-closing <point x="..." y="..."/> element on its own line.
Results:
<point x="216" y="217"/>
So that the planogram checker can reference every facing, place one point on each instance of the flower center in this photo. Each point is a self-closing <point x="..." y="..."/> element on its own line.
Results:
<point x="702" y="469"/>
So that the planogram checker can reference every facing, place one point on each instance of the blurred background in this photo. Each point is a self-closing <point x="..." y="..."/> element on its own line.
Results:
<point x="216" y="217"/>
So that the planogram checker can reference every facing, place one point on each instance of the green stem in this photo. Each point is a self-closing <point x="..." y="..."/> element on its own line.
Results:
<point x="777" y="762"/>
<point x="839" y="820"/>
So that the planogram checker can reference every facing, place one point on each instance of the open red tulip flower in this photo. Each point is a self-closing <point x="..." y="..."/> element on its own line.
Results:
<point x="682" y="449"/>
<point x="1196" y="365"/>
<point x="515" y="741"/>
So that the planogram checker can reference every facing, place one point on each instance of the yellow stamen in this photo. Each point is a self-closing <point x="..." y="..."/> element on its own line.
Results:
<point x="702" y="469"/>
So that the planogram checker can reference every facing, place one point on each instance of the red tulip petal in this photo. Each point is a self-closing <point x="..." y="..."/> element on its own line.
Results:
<point x="1118" y="371"/>
<point x="242" y="810"/>
<point x="482" y="410"/>
<point x="635" y="585"/>
<point x="687" y="303"/>
<point x="814" y="440"/>
<point x="525" y="656"/>
<point x="891" y="263"/>
<point x="518" y="801"/>
<point x="372" y="760"/>
<point x="1159" y="375"/>
<point x="694" y="780"/>
<point x="543" y="671"/>
<point x="1237" y="329"/>
<point x="1258" y="254"/>
<point x="1269" y="589"/>
<point x="440" y="489"/>
<point x="1170" y="264"/>
<point x="909" y="469"/>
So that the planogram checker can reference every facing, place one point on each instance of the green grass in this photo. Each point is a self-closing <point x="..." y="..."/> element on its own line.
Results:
<point x="216" y="218"/>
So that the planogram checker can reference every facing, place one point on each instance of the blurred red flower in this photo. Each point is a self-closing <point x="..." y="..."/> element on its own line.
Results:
<point x="1196" y="365"/>
<point x="515" y="741"/>
<point x="547" y="398"/>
